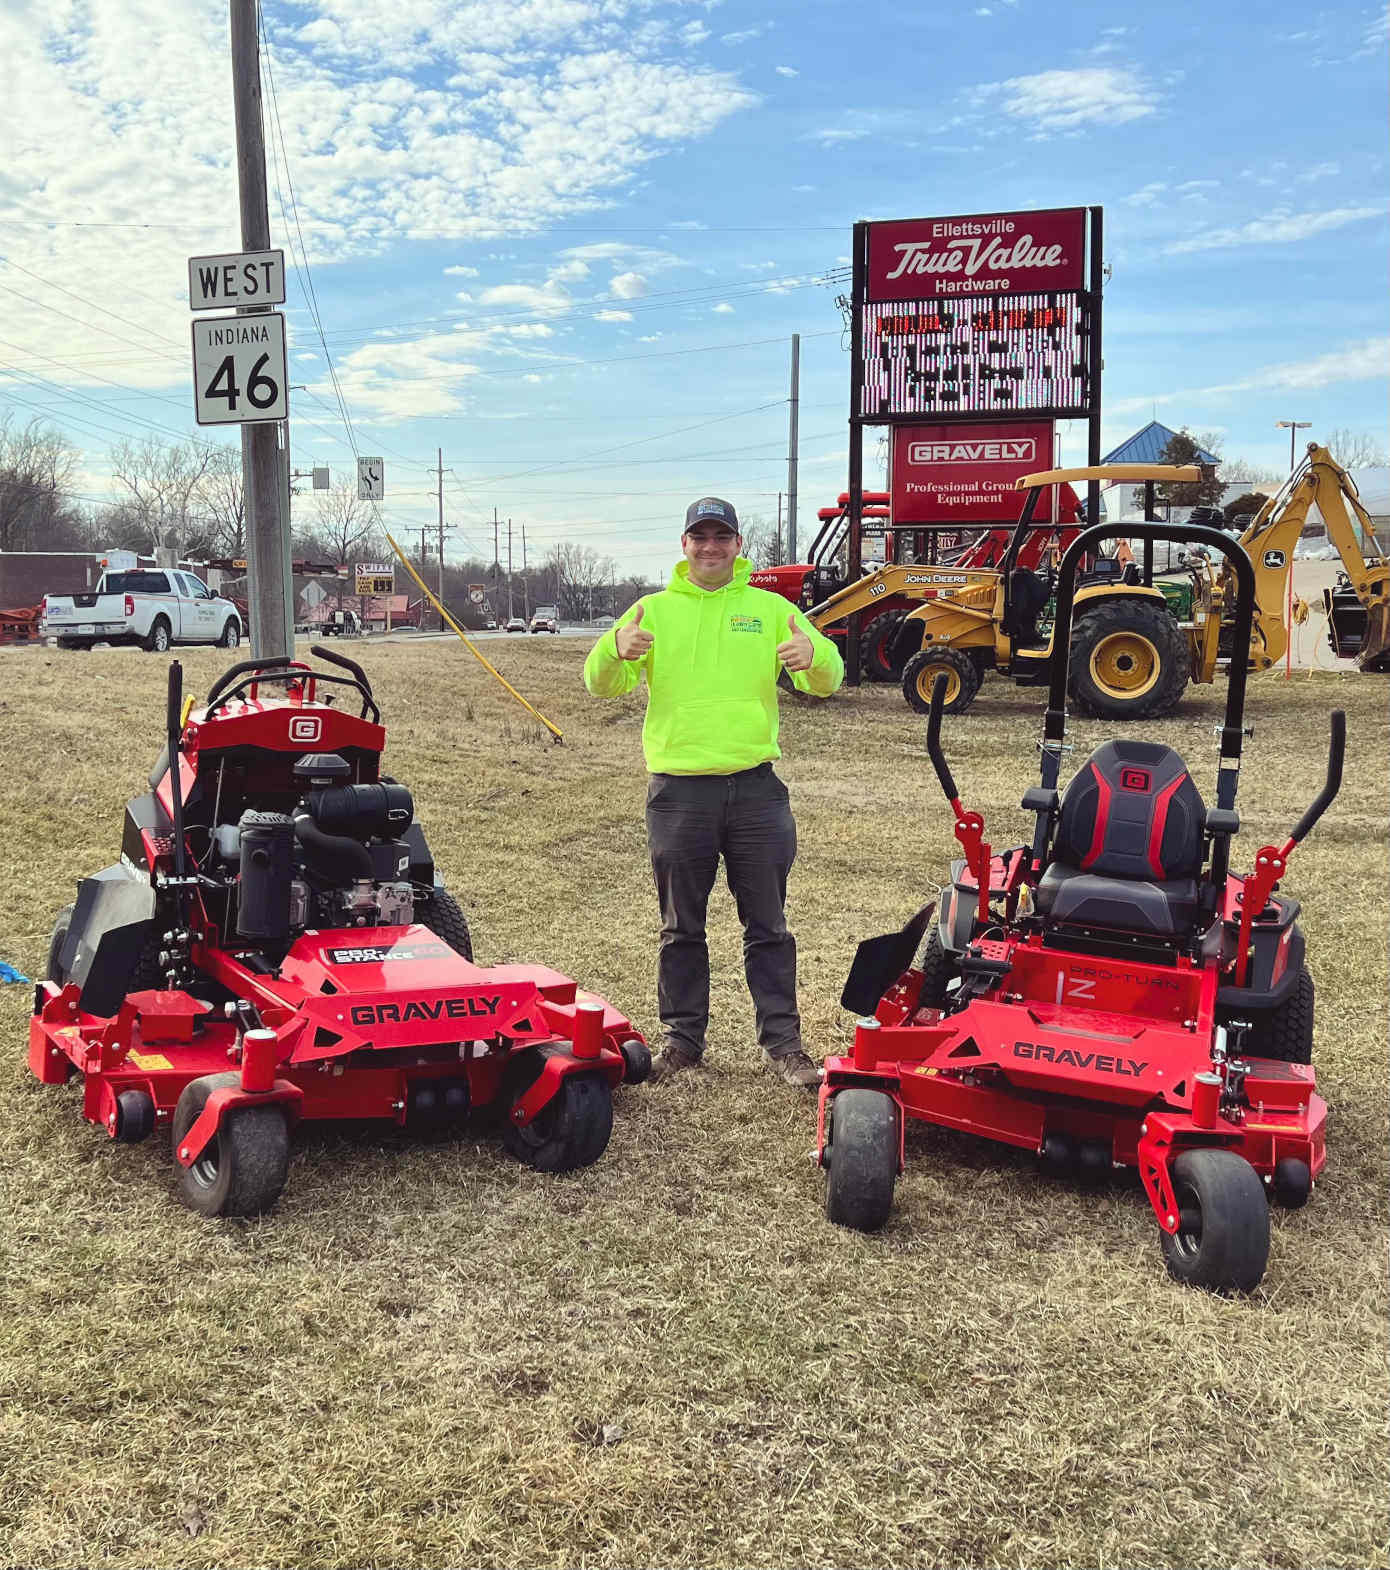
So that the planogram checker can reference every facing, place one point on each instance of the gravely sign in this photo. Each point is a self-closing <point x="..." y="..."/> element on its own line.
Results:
<point x="964" y="474"/>
<point x="988" y="253"/>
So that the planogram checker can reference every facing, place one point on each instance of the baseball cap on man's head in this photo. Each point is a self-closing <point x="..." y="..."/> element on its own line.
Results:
<point x="710" y="509"/>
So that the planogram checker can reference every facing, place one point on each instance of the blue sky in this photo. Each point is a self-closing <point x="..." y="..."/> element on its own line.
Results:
<point x="567" y="241"/>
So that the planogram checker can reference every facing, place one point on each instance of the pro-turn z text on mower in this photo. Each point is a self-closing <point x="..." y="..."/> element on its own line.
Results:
<point x="1110" y="995"/>
<point x="274" y="945"/>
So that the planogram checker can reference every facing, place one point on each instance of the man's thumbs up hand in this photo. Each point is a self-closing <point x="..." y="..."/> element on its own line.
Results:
<point x="632" y="639"/>
<point x="797" y="652"/>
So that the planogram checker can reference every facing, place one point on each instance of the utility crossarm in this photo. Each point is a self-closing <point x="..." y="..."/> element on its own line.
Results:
<point x="1274" y="532"/>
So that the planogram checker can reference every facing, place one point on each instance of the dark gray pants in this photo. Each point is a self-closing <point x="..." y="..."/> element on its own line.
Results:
<point x="693" y="819"/>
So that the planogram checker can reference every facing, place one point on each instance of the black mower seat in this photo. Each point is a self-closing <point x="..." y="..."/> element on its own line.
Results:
<point x="1084" y="899"/>
<point x="1129" y="844"/>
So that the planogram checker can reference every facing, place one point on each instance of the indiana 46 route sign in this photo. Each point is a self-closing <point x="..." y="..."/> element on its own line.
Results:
<point x="239" y="375"/>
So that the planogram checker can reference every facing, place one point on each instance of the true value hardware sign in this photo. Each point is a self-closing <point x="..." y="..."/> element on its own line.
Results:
<point x="240" y="374"/>
<point x="988" y="314"/>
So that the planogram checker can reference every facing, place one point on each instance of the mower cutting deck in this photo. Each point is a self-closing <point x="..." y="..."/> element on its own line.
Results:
<point x="274" y="945"/>
<point x="1108" y="996"/>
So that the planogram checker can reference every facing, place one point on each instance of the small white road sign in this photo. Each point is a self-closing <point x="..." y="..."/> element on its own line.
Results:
<point x="239" y="375"/>
<point x="215" y="283"/>
<point x="371" y="479"/>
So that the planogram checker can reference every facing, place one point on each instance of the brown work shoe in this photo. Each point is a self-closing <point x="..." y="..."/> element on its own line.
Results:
<point x="797" y="1069"/>
<point x="672" y="1058"/>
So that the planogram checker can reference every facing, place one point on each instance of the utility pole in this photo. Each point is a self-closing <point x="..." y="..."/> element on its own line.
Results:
<point x="439" y="580"/>
<point x="791" y="447"/>
<point x="525" y="581"/>
<point x="779" y="529"/>
<point x="496" y="565"/>
<point x="509" y="569"/>
<point x="267" y="532"/>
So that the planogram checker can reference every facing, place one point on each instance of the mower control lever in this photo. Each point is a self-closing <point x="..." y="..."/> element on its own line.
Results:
<point x="970" y="826"/>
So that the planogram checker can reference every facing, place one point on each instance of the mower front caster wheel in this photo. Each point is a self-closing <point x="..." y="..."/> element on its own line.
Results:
<point x="861" y="1159"/>
<point x="243" y="1167"/>
<point x="1222" y="1240"/>
<point x="570" y="1131"/>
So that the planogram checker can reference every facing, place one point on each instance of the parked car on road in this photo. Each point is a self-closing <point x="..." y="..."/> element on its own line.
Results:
<point x="516" y="624"/>
<point x="154" y="607"/>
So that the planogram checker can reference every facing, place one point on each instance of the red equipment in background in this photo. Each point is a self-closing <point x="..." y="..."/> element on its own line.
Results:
<point x="274" y="945"/>
<point x="1108" y="996"/>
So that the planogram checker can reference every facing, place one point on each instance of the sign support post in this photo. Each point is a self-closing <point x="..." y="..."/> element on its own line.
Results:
<point x="267" y="547"/>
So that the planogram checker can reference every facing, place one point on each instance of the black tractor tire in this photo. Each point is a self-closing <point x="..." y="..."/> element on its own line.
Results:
<point x="159" y="639"/>
<point x="1284" y="1033"/>
<point x="1129" y="661"/>
<point x="862" y="1159"/>
<point x="441" y="913"/>
<point x="243" y="1168"/>
<point x="877" y="659"/>
<point x="962" y="675"/>
<point x="63" y="921"/>
<point x="938" y="969"/>
<point x="1222" y="1241"/>
<point x="571" y="1131"/>
<point x="231" y="634"/>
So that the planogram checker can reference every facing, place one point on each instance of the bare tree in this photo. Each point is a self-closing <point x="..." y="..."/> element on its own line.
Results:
<point x="578" y="571"/>
<point x="762" y="541"/>
<point x="1240" y="471"/>
<point x="36" y="465"/>
<point x="160" y="483"/>
<point x="222" y="499"/>
<point x="1356" y="449"/>
<point x="343" y="526"/>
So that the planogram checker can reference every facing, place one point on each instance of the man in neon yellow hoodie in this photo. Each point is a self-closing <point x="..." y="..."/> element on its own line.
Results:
<point x="711" y="647"/>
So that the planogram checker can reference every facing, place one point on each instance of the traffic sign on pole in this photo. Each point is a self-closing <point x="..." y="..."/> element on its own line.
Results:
<point x="215" y="283"/>
<point x="239" y="369"/>
<point x="371" y="479"/>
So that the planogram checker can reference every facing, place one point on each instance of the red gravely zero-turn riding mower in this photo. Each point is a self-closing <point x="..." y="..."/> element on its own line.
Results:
<point x="1110" y="996"/>
<point x="274" y="945"/>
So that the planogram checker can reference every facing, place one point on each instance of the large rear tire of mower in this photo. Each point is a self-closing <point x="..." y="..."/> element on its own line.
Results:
<point x="1222" y="1241"/>
<point x="1286" y="1033"/>
<point x="243" y="1168"/>
<point x="55" y="972"/>
<point x="938" y="970"/>
<point x="1129" y="661"/>
<point x="443" y="915"/>
<point x="962" y="679"/>
<point x="862" y="1164"/>
<point x="571" y="1131"/>
<point x="877" y="660"/>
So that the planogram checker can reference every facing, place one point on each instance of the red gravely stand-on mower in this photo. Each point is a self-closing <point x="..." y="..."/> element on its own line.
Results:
<point x="1108" y="996"/>
<point x="274" y="945"/>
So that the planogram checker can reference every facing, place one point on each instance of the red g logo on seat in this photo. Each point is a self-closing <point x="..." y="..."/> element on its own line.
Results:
<point x="1135" y="779"/>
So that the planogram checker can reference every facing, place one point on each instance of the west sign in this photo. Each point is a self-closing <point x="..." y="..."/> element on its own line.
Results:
<point x="986" y="253"/>
<point x="964" y="474"/>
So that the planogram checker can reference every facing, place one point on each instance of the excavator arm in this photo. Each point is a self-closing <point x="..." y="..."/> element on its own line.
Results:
<point x="1274" y="532"/>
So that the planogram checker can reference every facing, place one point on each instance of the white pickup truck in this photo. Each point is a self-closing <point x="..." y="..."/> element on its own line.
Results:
<point x="152" y="606"/>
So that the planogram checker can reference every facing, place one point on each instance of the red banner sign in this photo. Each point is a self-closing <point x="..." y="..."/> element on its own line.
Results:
<point x="964" y="474"/>
<point x="989" y="253"/>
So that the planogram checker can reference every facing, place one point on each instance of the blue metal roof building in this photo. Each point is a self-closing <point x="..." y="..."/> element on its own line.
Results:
<point x="1147" y="446"/>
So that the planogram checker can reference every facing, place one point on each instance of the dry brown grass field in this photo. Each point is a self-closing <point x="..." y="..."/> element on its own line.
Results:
<point x="429" y="1355"/>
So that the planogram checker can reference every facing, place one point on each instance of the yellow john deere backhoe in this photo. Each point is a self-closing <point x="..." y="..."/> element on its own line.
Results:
<point x="1357" y="606"/>
<point x="1130" y="657"/>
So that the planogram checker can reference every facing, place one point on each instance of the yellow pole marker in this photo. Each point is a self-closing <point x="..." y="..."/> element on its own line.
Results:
<point x="554" y="730"/>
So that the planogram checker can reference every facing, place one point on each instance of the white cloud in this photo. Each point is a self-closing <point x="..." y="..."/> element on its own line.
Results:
<point x="1277" y="229"/>
<point x="570" y="271"/>
<point x="694" y="33"/>
<point x="803" y="188"/>
<point x="627" y="286"/>
<point x="550" y="300"/>
<point x="745" y="35"/>
<point x="612" y="316"/>
<point x="1360" y="362"/>
<point x="723" y="309"/>
<point x="830" y="137"/>
<point x="786" y="70"/>
<point x="651" y="338"/>
<point x="1065" y="100"/>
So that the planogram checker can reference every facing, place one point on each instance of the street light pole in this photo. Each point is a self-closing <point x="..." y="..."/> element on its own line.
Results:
<point x="1292" y="427"/>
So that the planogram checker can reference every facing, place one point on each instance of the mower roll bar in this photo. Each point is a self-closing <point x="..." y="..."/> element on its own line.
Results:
<point x="1054" y="724"/>
<point x="283" y="668"/>
<point x="320" y="652"/>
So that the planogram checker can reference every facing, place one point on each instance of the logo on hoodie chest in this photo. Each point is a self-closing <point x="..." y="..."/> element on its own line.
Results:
<point x="745" y="624"/>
